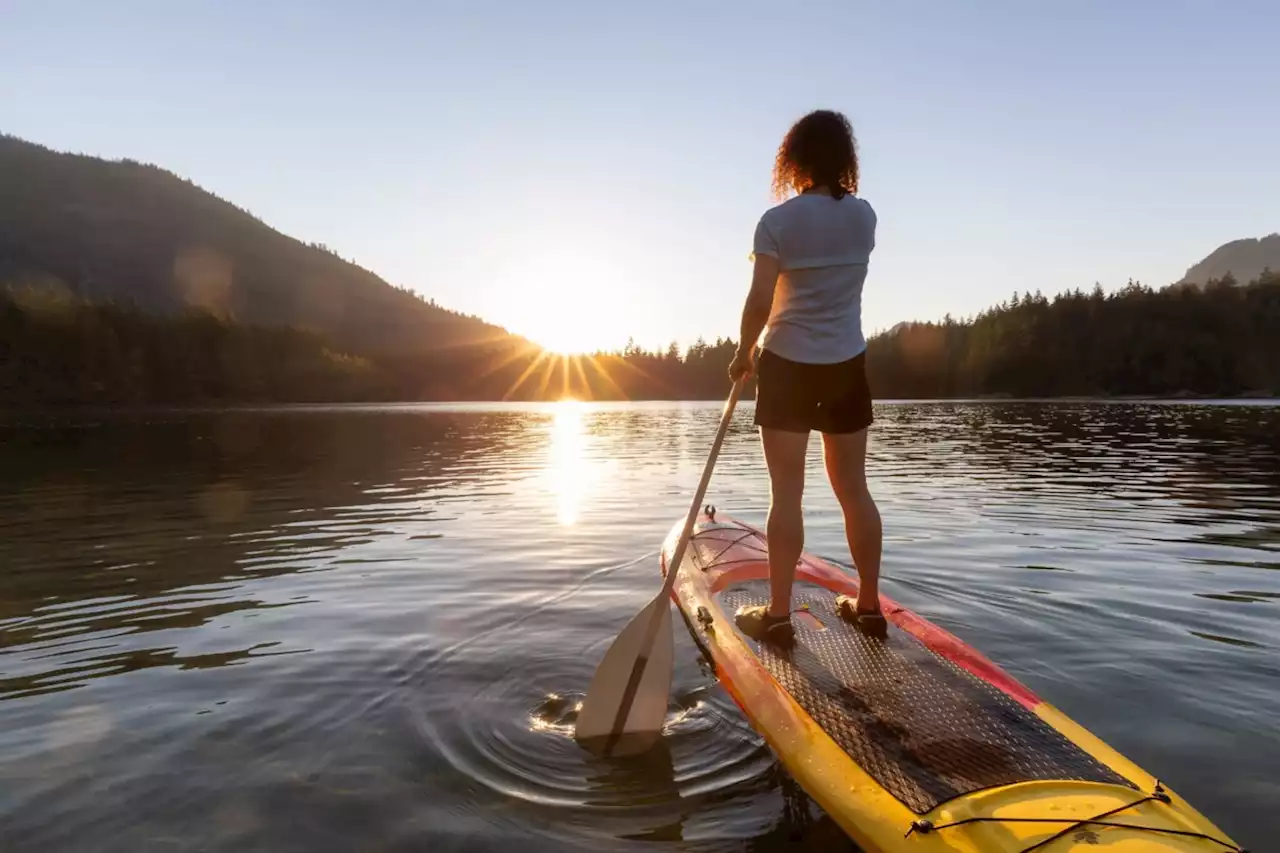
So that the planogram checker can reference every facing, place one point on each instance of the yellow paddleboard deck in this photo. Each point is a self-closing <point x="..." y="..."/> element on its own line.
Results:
<point x="914" y="741"/>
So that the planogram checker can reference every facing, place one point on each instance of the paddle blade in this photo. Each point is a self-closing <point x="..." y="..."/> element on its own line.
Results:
<point x="614" y="685"/>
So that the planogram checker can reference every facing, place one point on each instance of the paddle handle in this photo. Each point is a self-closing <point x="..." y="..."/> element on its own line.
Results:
<point x="687" y="533"/>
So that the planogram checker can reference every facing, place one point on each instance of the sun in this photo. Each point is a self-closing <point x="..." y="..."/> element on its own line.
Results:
<point x="570" y="300"/>
<point x="574" y="323"/>
<point x="564" y="339"/>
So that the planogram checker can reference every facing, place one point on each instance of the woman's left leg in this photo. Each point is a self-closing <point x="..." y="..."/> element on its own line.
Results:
<point x="846" y="460"/>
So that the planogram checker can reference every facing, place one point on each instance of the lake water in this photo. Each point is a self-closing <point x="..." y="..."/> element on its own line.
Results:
<point x="342" y="629"/>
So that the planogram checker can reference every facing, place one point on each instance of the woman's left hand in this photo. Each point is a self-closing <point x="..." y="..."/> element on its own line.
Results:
<point x="742" y="366"/>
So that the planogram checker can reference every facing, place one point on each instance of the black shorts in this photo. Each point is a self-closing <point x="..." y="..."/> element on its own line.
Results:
<point x="796" y="397"/>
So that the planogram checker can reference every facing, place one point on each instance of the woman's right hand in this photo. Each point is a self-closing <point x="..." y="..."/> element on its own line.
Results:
<point x="742" y="366"/>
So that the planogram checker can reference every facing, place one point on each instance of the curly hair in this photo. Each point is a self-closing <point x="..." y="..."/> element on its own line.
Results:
<point x="819" y="150"/>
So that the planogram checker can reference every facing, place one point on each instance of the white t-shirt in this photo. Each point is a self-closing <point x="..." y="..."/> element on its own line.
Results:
<point x="823" y="246"/>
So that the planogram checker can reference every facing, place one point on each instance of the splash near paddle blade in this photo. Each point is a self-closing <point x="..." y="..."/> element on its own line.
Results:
<point x="627" y="676"/>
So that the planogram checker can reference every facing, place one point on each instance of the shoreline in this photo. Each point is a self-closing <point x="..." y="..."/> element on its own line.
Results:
<point x="383" y="405"/>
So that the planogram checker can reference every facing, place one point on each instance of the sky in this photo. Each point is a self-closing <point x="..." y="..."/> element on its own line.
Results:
<point x="587" y="172"/>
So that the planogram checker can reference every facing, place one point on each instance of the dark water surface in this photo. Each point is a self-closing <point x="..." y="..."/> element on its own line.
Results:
<point x="365" y="629"/>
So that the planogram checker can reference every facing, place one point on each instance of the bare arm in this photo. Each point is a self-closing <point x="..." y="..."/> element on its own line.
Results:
<point x="755" y="312"/>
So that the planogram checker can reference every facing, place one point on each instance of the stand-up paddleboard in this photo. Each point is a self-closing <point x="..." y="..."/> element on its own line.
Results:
<point x="915" y="741"/>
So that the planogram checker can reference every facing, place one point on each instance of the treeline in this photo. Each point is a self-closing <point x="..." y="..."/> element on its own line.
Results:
<point x="57" y="349"/>
<point x="523" y="372"/>
<point x="700" y="373"/>
<point x="1219" y="340"/>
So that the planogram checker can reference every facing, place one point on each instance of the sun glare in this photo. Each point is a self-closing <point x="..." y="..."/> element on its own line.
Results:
<point x="577" y="307"/>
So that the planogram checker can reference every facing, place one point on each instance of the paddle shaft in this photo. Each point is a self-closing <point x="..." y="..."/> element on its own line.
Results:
<point x="685" y="535"/>
<point x="651" y="630"/>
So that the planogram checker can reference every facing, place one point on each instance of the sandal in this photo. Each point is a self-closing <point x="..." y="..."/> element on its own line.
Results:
<point x="757" y="624"/>
<point x="873" y="624"/>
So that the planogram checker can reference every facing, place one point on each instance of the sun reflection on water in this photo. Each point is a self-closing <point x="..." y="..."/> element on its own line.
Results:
<point x="568" y="469"/>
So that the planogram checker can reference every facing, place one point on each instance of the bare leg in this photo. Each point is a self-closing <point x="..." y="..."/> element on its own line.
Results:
<point x="846" y="458"/>
<point x="784" y="455"/>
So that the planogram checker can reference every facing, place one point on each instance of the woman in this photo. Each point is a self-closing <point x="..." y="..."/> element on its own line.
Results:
<point x="811" y="255"/>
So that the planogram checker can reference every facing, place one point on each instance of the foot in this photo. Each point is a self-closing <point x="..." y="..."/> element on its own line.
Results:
<point x="758" y="624"/>
<point x="870" y="622"/>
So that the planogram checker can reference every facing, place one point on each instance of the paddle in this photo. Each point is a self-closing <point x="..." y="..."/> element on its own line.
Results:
<point x="626" y="701"/>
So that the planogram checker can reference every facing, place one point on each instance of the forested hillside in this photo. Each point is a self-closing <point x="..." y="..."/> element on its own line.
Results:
<point x="57" y="349"/>
<point x="124" y="231"/>
<point x="1219" y="340"/>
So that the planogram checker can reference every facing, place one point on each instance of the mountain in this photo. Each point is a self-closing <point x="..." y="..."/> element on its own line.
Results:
<point x="123" y="231"/>
<point x="1244" y="259"/>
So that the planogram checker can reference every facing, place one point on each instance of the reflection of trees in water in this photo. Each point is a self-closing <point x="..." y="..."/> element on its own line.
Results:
<point x="1140" y="444"/>
<point x="127" y="525"/>
<point x="1219" y="463"/>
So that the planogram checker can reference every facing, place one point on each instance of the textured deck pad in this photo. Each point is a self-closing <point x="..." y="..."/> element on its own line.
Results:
<point x="922" y="727"/>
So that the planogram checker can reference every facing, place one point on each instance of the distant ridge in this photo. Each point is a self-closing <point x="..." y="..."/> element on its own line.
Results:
<point x="1245" y="260"/>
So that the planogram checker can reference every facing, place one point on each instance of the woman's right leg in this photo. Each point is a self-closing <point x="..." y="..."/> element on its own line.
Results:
<point x="784" y="454"/>
<point x="846" y="458"/>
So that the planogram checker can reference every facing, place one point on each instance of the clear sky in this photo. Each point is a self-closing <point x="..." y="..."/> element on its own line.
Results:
<point x="584" y="171"/>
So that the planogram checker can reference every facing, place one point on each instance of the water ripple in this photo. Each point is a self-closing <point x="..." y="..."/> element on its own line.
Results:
<point x="337" y="628"/>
